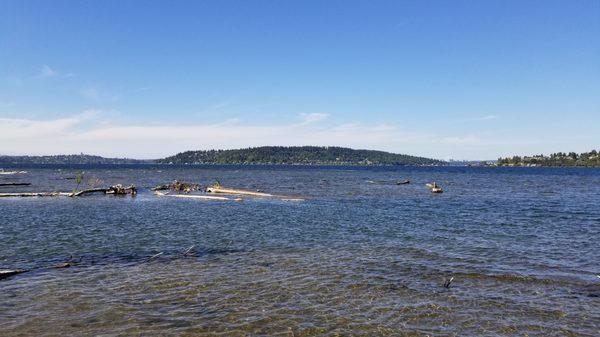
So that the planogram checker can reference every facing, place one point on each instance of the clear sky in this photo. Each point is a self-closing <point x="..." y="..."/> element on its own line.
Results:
<point x="444" y="79"/>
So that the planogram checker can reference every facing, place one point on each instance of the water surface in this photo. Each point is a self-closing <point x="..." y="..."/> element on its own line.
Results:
<point x="361" y="256"/>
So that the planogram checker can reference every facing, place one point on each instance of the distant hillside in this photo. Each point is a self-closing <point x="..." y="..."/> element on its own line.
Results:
<point x="302" y="155"/>
<point x="66" y="160"/>
<point x="588" y="159"/>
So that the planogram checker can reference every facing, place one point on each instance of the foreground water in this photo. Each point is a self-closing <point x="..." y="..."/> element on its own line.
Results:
<point x="360" y="256"/>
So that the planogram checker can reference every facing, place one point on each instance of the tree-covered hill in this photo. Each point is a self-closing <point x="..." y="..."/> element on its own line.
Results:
<point x="69" y="159"/>
<point x="301" y="155"/>
<point x="589" y="159"/>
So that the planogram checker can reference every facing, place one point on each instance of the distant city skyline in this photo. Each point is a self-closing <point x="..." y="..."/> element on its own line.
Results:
<point x="447" y="80"/>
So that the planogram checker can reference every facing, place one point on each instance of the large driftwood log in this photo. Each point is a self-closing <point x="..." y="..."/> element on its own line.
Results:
<point x="2" y="172"/>
<point x="35" y="194"/>
<point x="194" y="196"/>
<point x="4" y="273"/>
<point x="15" y="184"/>
<point x="178" y="186"/>
<point x="116" y="190"/>
<point x="218" y="188"/>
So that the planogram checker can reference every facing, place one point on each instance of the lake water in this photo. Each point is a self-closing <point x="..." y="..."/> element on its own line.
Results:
<point x="360" y="257"/>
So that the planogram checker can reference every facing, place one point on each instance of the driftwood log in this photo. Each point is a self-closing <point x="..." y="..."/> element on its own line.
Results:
<point x="15" y="184"/>
<point x="178" y="187"/>
<point x="4" y="273"/>
<point x="195" y="196"/>
<point x="218" y="188"/>
<point x="116" y="190"/>
<point x="35" y="194"/>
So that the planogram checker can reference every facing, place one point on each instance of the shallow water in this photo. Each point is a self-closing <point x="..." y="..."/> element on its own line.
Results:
<point x="361" y="256"/>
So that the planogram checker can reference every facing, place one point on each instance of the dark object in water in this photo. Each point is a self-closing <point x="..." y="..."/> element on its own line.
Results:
<point x="4" y="273"/>
<point x="63" y="265"/>
<point x="116" y="190"/>
<point x="448" y="282"/>
<point x="403" y="182"/>
<point x="15" y="184"/>
<point x="435" y="188"/>
<point x="178" y="186"/>
<point x="35" y="194"/>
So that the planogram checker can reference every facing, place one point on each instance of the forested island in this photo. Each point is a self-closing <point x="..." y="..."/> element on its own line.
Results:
<point x="298" y="155"/>
<point x="70" y="159"/>
<point x="586" y="159"/>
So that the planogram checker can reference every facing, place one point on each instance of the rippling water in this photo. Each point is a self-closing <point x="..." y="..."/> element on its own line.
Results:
<point x="361" y="256"/>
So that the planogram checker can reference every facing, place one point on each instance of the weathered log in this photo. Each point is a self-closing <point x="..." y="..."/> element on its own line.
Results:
<point x="178" y="186"/>
<point x="120" y="190"/>
<point x="116" y="190"/>
<point x="15" y="184"/>
<point x="2" y="172"/>
<point x="64" y="265"/>
<point x="217" y="188"/>
<point x="195" y="196"/>
<point x="35" y="194"/>
<point x="89" y="191"/>
<point x="4" y="273"/>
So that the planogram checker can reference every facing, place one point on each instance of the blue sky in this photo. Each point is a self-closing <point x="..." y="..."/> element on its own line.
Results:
<point x="445" y="79"/>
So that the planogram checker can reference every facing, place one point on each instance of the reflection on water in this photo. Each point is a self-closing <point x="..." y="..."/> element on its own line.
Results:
<point x="356" y="258"/>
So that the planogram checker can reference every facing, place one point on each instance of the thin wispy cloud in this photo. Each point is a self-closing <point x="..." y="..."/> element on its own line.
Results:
<point x="97" y="95"/>
<point x="485" y="118"/>
<point x="93" y="132"/>
<point x="314" y="117"/>
<point x="46" y="72"/>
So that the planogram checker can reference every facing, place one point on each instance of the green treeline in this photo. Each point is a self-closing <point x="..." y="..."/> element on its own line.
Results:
<point x="590" y="159"/>
<point x="301" y="155"/>
<point x="66" y="159"/>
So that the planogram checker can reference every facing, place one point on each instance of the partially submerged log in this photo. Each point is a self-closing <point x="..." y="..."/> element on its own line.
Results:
<point x="64" y="265"/>
<point x="403" y="182"/>
<point x="217" y="188"/>
<point x="220" y="189"/>
<point x="195" y="196"/>
<point x="15" y="184"/>
<point x="2" y="172"/>
<point x="178" y="187"/>
<point x="4" y="273"/>
<point x="116" y="190"/>
<point x="35" y="194"/>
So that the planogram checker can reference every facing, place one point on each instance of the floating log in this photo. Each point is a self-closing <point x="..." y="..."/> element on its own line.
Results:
<point x="35" y="194"/>
<point x="403" y="182"/>
<point x="4" y="273"/>
<point x="2" y="172"/>
<point x="64" y="265"/>
<point x="178" y="186"/>
<point x="195" y="196"/>
<point x="15" y="184"/>
<point x="219" y="189"/>
<point x="116" y="190"/>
